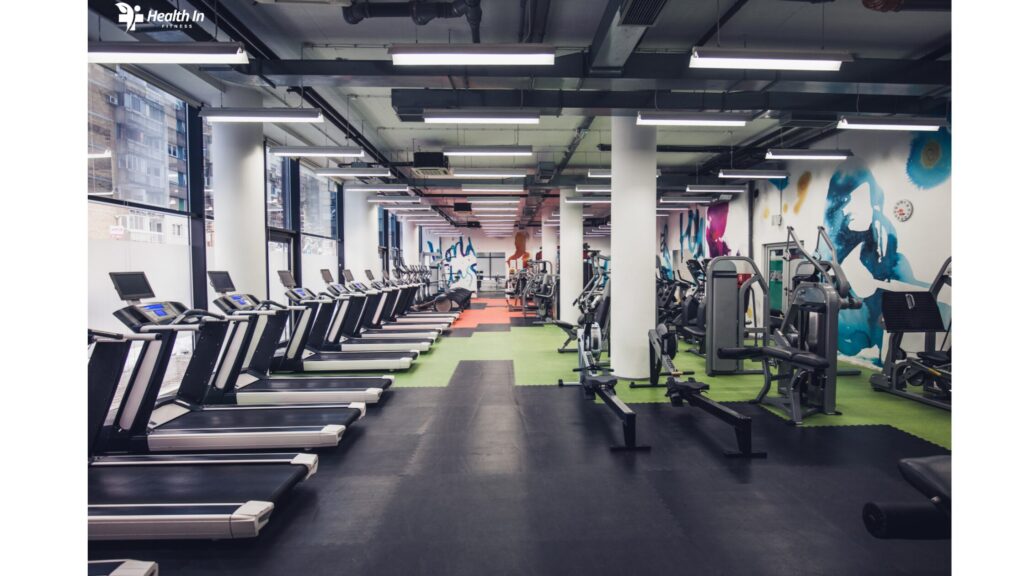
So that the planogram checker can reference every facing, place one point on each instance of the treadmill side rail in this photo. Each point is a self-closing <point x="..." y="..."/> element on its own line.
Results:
<point x="245" y="438"/>
<point x="179" y="522"/>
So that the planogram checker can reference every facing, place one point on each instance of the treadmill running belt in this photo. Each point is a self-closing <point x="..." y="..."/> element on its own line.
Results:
<point x="360" y="356"/>
<point x="263" y="418"/>
<point x="228" y="483"/>
<point x="285" y="384"/>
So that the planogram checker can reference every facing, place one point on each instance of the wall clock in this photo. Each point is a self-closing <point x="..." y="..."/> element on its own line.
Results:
<point x="903" y="210"/>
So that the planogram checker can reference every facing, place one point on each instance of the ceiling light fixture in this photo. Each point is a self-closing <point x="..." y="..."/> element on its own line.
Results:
<point x="167" y="53"/>
<point x="364" y="172"/>
<point x="493" y="200"/>
<point x="913" y="124"/>
<point x="490" y="173"/>
<point x="690" y="119"/>
<point x="593" y="188"/>
<point x="806" y="154"/>
<point x="588" y="200"/>
<point x="317" y="151"/>
<point x="484" y="117"/>
<point x="395" y="199"/>
<point x="487" y="150"/>
<point x="743" y="59"/>
<point x="518" y="188"/>
<point x="753" y="174"/>
<point x="362" y="187"/>
<point x="715" y="189"/>
<point x="267" y="115"/>
<point x="472" y="55"/>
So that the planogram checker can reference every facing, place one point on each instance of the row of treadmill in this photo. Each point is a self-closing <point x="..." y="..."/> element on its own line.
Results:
<point x="212" y="458"/>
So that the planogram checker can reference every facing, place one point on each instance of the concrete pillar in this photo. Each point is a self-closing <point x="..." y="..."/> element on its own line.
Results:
<point x="570" y="254"/>
<point x="410" y="243"/>
<point x="634" y="204"/>
<point x="237" y="155"/>
<point x="362" y="234"/>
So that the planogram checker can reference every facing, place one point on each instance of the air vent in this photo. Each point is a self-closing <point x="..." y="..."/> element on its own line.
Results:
<point x="545" y="172"/>
<point x="430" y="164"/>
<point x="640" y="12"/>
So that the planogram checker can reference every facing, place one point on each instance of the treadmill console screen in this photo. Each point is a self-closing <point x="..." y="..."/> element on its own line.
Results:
<point x="286" y="278"/>
<point x="327" y="276"/>
<point x="221" y="281"/>
<point x="369" y="275"/>
<point x="301" y="292"/>
<point x="348" y="276"/>
<point x="240" y="300"/>
<point x="131" y="285"/>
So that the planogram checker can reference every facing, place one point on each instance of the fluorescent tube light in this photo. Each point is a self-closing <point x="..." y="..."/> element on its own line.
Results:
<point x="588" y="200"/>
<point x="317" y="151"/>
<point x="98" y="155"/>
<point x="490" y="173"/>
<point x="593" y="188"/>
<point x="607" y="173"/>
<point x="917" y="124"/>
<point x="493" y="188"/>
<point x="690" y="119"/>
<point x="364" y="172"/>
<point x="806" y="154"/>
<point x="269" y="115"/>
<point x="482" y="117"/>
<point x="495" y="209"/>
<point x="487" y="150"/>
<point x="472" y="55"/>
<point x="395" y="199"/>
<point x="361" y="187"/>
<point x="167" y="53"/>
<point x="743" y="59"/>
<point x="715" y="189"/>
<point x="753" y="174"/>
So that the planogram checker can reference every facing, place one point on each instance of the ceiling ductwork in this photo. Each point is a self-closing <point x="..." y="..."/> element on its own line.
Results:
<point x="420" y="12"/>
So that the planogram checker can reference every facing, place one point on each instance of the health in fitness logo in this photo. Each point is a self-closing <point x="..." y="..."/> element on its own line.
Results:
<point x="130" y="15"/>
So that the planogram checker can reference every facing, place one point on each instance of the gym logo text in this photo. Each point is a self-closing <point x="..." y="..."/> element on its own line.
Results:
<point x="181" y="19"/>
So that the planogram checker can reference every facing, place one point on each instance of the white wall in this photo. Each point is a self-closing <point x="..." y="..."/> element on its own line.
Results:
<point x="855" y="201"/>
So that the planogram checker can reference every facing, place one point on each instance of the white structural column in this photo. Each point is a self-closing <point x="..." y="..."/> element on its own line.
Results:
<point x="410" y="243"/>
<point x="237" y="157"/>
<point x="634" y="204"/>
<point x="570" y="217"/>
<point x="362" y="233"/>
<point x="549" y="240"/>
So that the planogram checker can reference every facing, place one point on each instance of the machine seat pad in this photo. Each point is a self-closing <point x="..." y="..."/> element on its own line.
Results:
<point x="939" y="357"/>
<point x="602" y="380"/>
<point x="689" y="386"/>
<point x="696" y="331"/>
<point x="932" y="476"/>
<point x="740" y="353"/>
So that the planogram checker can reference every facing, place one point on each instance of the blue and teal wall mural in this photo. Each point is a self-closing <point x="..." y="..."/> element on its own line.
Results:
<point x="691" y="237"/>
<point x="460" y="260"/>
<point x="930" y="160"/>
<point x="666" y="254"/>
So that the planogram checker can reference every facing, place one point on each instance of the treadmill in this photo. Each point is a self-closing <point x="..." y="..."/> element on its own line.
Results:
<point x="344" y="329"/>
<point x="122" y="568"/>
<point x="367" y="300"/>
<point x="145" y="422"/>
<point x="377" y="299"/>
<point x="248" y="380"/>
<point x="315" y="318"/>
<point x="172" y="496"/>
<point x="396" y="299"/>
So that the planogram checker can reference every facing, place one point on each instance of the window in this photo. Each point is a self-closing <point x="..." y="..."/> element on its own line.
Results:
<point x="277" y="197"/>
<point x="144" y="128"/>
<point x="317" y="204"/>
<point x="317" y="254"/>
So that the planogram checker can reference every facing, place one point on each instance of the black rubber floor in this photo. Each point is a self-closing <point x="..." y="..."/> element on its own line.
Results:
<point x="484" y="477"/>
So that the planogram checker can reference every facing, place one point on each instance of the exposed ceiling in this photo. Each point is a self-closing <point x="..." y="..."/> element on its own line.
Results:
<point x="901" y="67"/>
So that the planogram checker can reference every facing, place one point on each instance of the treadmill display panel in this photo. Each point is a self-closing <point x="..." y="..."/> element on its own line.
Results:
<point x="221" y="281"/>
<point x="301" y="292"/>
<point x="158" y="312"/>
<point x="131" y="285"/>
<point x="239" y="300"/>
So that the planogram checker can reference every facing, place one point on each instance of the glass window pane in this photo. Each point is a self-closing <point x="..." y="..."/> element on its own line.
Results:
<point x="207" y="168"/>
<point x="317" y="254"/>
<point x="144" y="129"/>
<point x="278" y="258"/>
<point x="128" y="240"/>
<point x="277" y="197"/>
<point x="317" y="204"/>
